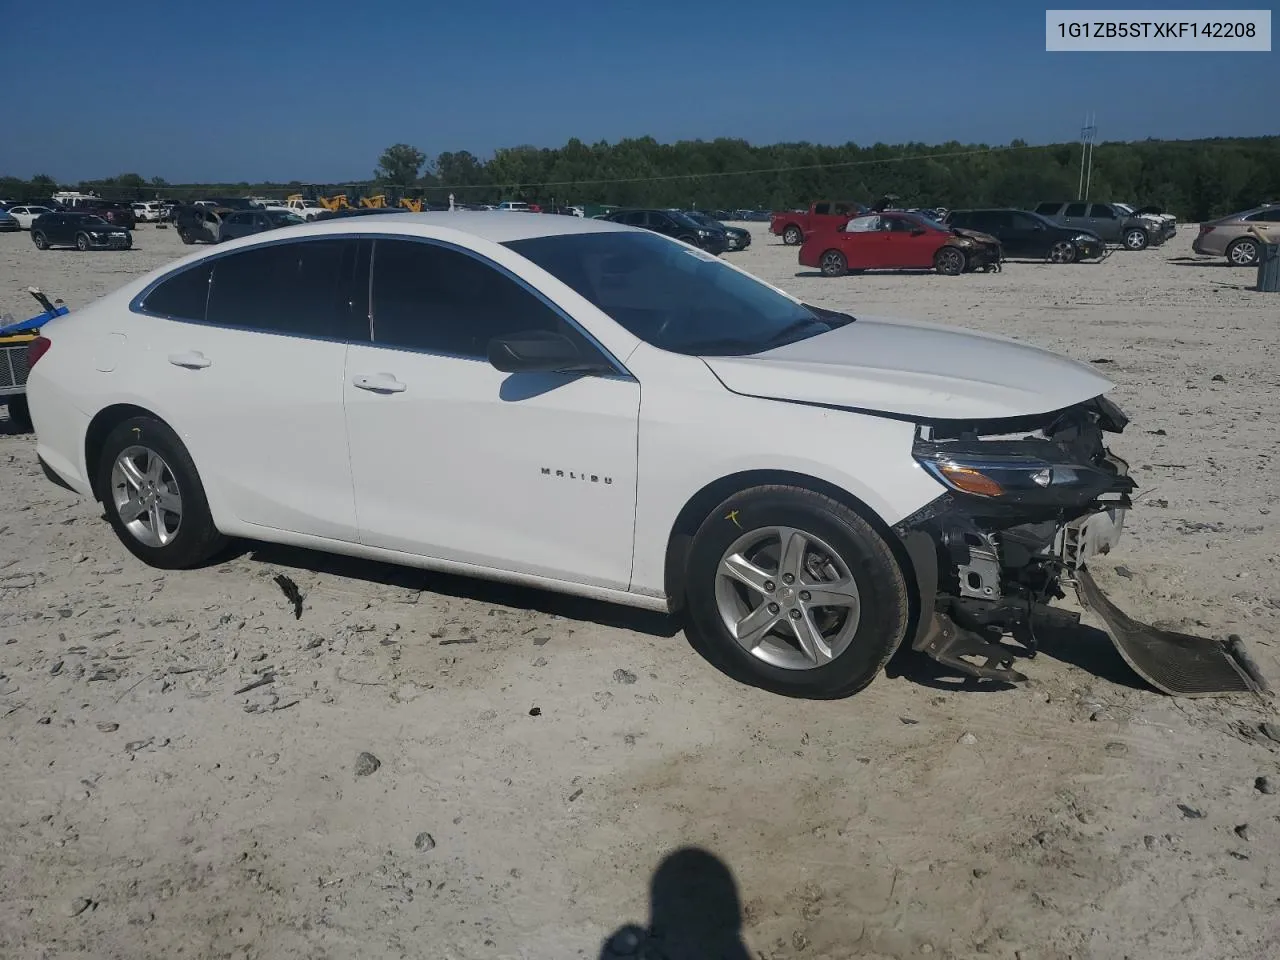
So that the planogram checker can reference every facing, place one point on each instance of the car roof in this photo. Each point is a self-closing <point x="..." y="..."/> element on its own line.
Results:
<point x="487" y="225"/>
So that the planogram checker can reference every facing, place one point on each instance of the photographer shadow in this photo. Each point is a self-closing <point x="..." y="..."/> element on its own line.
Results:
<point x="695" y="913"/>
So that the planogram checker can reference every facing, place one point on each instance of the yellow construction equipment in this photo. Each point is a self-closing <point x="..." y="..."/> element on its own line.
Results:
<point x="377" y="202"/>
<point x="338" y="202"/>
<point x="414" y="205"/>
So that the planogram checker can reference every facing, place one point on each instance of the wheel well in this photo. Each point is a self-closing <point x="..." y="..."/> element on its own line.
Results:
<point x="713" y="494"/>
<point x="100" y="428"/>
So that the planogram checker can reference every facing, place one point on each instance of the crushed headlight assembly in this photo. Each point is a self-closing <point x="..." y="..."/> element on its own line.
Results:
<point x="1037" y="477"/>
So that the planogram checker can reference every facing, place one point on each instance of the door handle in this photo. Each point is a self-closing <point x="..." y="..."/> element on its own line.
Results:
<point x="379" y="383"/>
<point x="192" y="360"/>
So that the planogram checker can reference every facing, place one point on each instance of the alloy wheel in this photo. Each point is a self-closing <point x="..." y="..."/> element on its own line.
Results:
<point x="950" y="261"/>
<point x="145" y="494"/>
<point x="1062" y="252"/>
<point x="833" y="263"/>
<point x="1243" y="253"/>
<point x="787" y="598"/>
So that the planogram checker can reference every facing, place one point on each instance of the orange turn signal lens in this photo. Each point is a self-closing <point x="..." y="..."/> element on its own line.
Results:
<point x="970" y="480"/>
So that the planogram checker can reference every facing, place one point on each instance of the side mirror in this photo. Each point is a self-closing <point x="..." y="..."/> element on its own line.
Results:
<point x="535" y="351"/>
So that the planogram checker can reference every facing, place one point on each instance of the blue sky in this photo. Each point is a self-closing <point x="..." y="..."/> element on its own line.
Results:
<point x="282" y="90"/>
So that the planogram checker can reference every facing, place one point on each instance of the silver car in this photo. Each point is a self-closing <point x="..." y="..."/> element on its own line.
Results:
<point x="1237" y="237"/>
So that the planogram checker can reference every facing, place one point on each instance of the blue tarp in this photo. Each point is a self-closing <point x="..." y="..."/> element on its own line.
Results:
<point x="35" y="323"/>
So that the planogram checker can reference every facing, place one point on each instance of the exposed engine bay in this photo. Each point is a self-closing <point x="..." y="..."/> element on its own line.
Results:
<point x="1030" y="500"/>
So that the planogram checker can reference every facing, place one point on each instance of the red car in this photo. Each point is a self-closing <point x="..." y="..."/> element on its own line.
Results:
<point x="899" y="241"/>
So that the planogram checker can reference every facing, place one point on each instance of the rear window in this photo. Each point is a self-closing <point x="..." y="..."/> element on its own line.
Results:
<point x="182" y="296"/>
<point x="1265" y="216"/>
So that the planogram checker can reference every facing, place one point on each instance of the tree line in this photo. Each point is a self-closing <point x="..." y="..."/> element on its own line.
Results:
<point x="1194" y="179"/>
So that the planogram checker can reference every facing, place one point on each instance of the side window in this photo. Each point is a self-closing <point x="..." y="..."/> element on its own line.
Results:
<point x="1265" y="216"/>
<point x="290" y="288"/>
<point x="659" y="221"/>
<point x="822" y="208"/>
<point x="1048" y="209"/>
<point x="431" y="298"/>
<point x="183" y="295"/>
<point x="1074" y="210"/>
<point x="845" y="209"/>
<point x="1102" y="211"/>
<point x="1023" y="222"/>
<point x="862" y="225"/>
<point x="632" y="218"/>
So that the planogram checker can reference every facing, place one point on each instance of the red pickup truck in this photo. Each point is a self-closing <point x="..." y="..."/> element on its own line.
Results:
<point x="793" y="227"/>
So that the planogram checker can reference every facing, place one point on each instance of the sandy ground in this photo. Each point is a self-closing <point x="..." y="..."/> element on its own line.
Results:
<point x="153" y="807"/>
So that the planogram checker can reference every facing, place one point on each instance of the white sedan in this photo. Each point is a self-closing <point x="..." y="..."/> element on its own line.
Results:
<point x="594" y="409"/>
<point x="26" y="214"/>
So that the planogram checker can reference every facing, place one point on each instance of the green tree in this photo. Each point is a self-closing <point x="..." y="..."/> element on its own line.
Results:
<point x="400" y="164"/>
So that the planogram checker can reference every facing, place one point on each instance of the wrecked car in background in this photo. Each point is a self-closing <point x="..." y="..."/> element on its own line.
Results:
<point x="899" y="241"/>
<point x="894" y="483"/>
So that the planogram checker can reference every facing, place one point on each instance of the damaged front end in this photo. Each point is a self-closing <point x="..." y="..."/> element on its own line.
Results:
<point x="1029" y="500"/>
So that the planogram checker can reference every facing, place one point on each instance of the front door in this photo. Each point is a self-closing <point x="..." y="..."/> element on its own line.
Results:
<point x="253" y="381"/>
<point x="1103" y="221"/>
<point x="452" y="459"/>
<point x="909" y="244"/>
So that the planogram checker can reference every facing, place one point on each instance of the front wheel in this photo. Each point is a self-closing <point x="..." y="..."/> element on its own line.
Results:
<point x="1243" y="253"/>
<point x="792" y="236"/>
<point x="1136" y="239"/>
<point x="186" y="237"/>
<point x="1064" y="251"/>
<point x="794" y="592"/>
<point x="834" y="264"/>
<point x="154" y="499"/>
<point x="82" y="242"/>
<point x="949" y="261"/>
<point x="39" y="239"/>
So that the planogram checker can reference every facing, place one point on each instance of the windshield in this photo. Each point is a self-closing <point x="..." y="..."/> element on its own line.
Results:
<point x="1123" y="208"/>
<point x="681" y="300"/>
<point x="282" y="219"/>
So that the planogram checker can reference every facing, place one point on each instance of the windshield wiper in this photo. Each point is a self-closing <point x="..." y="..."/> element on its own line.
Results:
<point x="835" y="317"/>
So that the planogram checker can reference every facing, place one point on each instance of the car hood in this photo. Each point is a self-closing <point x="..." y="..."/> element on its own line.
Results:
<point x="913" y="369"/>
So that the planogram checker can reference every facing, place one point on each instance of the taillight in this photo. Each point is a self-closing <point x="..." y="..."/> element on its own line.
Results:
<point x="1205" y="229"/>
<point x="36" y="349"/>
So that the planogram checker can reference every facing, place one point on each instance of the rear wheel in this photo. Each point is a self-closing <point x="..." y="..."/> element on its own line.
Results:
<point x="154" y="499"/>
<point x="186" y="237"/>
<point x="792" y="236"/>
<point x="1136" y="239"/>
<point x="794" y="592"/>
<point x="949" y="261"/>
<point x="834" y="264"/>
<point x="1243" y="252"/>
<point x="1064" y="251"/>
<point x="39" y="239"/>
<point x="82" y="241"/>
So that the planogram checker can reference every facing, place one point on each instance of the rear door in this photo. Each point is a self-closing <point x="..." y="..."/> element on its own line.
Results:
<point x="1075" y="216"/>
<point x="250" y="370"/>
<point x="1103" y="221"/>
<point x="1029" y="235"/>
<point x="865" y="244"/>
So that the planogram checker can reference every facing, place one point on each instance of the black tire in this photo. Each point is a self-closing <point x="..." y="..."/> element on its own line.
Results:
<point x="1135" y="238"/>
<point x="39" y="239"/>
<point x="82" y="242"/>
<point x="196" y="539"/>
<point x="19" y="412"/>
<point x="833" y="264"/>
<point x="687" y="238"/>
<point x="882" y="589"/>
<point x="793" y="236"/>
<point x="1243" y="252"/>
<point x="186" y="237"/>
<point x="1062" y="252"/>
<point x="950" y="261"/>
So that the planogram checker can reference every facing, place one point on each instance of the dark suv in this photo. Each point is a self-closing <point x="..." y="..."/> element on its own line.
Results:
<point x="1113" y="222"/>
<point x="1025" y="234"/>
<point x="673" y="223"/>
<point x="116" y="214"/>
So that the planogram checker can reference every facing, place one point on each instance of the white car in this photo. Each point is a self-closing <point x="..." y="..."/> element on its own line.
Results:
<point x="25" y="214"/>
<point x="145" y="211"/>
<point x="306" y="209"/>
<point x="513" y="206"/>
<point x="594" y="409"/>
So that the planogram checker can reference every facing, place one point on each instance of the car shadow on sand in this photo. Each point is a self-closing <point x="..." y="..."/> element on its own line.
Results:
<point x="488" y="592"/>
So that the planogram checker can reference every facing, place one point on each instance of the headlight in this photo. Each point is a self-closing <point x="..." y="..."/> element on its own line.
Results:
<point x="1038" y="476"/>
<point x="704" y="233"/>
<point x="1082" y="238"/>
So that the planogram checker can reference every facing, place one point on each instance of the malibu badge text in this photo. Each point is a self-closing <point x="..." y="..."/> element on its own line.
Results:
<point x="571" y="475"/>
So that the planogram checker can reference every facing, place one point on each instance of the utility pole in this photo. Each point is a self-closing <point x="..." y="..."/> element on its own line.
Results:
<point x="1088" y="133"/>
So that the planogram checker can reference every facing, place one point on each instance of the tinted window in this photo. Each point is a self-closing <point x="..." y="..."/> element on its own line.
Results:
<point x="182" y="295"/>
<point x="678" y="299"/>
<point x="1102" y="211"/>
<point x="634" y="218"/>
<point x="429" y="297"/>
<point x="1048" y="209"/>
<point x="1027" y="221"/>
<point x="289" y="288"/>
<point x="1074" y="210"/>
<point x="823" y="208"/>
<point x="238" y="218"/>
<point x="1265" y="216"/>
